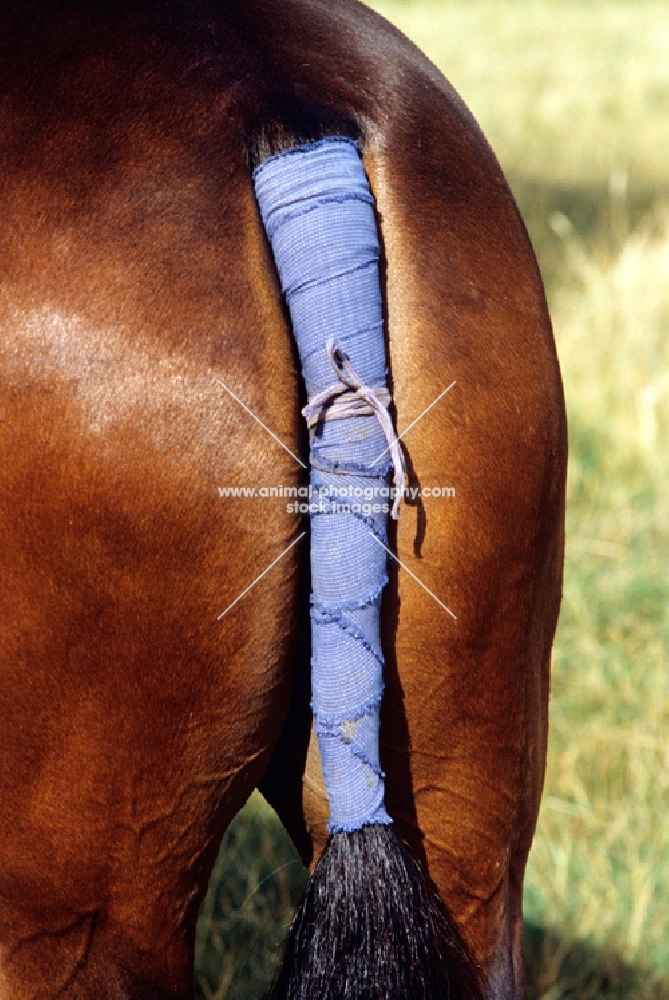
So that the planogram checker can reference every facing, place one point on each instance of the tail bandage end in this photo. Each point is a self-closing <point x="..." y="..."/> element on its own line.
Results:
<point x="318" y="211"/>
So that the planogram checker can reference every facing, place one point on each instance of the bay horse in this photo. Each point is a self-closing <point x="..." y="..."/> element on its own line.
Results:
<point x="139" y="307"/>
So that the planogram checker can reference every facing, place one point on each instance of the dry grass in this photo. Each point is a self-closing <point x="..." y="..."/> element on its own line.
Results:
<point x="564" y="90"/>
<point x="599" y="871"/>
<point x="574" y="97"/>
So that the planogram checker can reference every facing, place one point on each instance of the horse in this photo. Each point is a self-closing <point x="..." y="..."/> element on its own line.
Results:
<point x="154" y="653"/>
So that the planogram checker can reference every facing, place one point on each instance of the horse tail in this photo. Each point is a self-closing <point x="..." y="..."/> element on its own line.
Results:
<point x="370" y="925"/>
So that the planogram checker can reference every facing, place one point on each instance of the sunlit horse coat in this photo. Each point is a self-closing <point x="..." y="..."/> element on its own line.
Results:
<point x="134" y="275"/>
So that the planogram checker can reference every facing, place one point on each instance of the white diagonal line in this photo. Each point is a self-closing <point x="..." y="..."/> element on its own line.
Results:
<point x="271" y="433"/>
<point x="260" y="576"/>
<point x="419" y="582"/>
<point x="420" y="415"/>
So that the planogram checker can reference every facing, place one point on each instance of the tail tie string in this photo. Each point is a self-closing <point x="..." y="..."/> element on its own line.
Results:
<point x="350" y="397"/>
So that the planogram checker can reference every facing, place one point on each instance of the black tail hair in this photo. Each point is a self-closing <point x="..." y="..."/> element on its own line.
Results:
<point x="372" y="926"/>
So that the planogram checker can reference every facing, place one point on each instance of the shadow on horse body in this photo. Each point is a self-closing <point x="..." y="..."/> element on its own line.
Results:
<point x="135" y="278"/>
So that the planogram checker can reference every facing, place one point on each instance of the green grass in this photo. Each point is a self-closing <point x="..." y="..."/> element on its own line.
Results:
<point x="254" y="890"/>
<point x="574" y="97"/>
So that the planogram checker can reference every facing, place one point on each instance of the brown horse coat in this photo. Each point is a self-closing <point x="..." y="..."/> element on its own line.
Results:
<point x="134" y="274"/>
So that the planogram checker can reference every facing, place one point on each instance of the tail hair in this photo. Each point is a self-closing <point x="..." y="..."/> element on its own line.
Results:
<point x="372" y="927"/>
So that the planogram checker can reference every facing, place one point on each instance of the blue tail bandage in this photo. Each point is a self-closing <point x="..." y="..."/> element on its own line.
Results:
<point x="318" y="212"/>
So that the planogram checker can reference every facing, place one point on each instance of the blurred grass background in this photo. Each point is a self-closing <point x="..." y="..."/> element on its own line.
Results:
<point x="574" y="98"/>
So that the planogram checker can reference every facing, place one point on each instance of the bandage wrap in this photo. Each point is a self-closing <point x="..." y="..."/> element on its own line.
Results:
<point x="318" y="212"/>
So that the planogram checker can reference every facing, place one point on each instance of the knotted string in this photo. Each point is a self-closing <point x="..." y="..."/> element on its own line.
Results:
<point x="350" y="397"/>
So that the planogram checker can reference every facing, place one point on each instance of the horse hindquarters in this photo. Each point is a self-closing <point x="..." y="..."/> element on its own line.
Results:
<point x="135" y="724"/>
<point x="465" y="716"/>
<point x="135" y="274"/>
